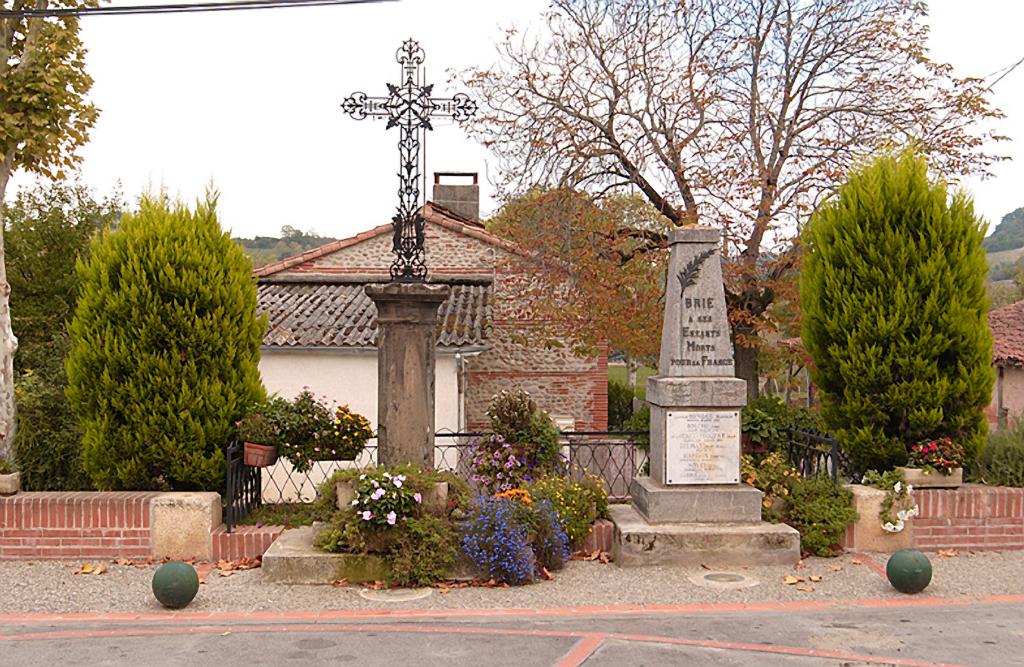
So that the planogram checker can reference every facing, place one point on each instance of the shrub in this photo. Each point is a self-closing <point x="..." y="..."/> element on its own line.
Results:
<point x="1001" y="462"/>
<point x="940" y="455"/>
<point x="312" y="431"/>
<point x="620" y="404"/>
<point x="424" y="553"/>
<point x="164" y="349"/>
<point x="497" y="542"/>
<point x="522" y="445"/>
<point x="821" y="511"/>
<point x="576" y="503"/>
<point x="6" y="466"/>
<point x="419" y="548"/>
<point x="767" y="419"/>
<point x="48" y="441"/>
<point x="815" y="506"/>
<point x="894" y="313"/>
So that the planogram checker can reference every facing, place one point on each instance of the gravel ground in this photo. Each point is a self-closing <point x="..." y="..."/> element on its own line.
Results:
<point x="47" y="586"/>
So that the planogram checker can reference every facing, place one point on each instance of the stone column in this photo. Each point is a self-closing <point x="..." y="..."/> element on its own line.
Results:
<point x="406" y="341"/>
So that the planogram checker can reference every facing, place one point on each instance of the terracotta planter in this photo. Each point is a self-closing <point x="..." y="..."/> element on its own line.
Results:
<point x="259" y="456"/>
<point x="920" y="479"/>
<point x="10" y="484"/>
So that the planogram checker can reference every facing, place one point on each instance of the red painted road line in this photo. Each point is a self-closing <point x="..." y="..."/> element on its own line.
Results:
<point x="599" y="610"/>
<point x="649" y="639"/>
<point x="581" y="651"/>
<point x="871" y="563"/>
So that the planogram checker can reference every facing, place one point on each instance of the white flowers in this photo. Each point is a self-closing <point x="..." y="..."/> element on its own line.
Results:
<point x="417" y="497"/>
<point x="355" y="501"/>
<point x="392" y="517"/>
<point x="367" y="515"/>
<point x="902" y="516"/>
<point x="898" y="488"/>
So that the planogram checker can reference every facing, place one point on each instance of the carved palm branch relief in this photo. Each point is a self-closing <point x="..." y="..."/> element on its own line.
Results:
<point x="688" y="276"/>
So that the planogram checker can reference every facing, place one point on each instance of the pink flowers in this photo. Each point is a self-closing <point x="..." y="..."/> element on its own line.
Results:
<point x="367" y="515"/>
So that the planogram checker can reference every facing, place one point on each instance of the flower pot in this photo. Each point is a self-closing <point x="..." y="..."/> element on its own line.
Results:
<point x="922" y="479"/>
<point x="10" y="484"/>
<point x="259" y="456"/>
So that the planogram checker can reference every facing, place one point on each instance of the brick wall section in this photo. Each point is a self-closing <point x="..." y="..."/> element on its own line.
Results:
<point x="973" y="517"/>
<point x="563" y="384"/>
<point x="75" y="525"/>
<point x="244" y="541"/>
<point x="600" y="537"/>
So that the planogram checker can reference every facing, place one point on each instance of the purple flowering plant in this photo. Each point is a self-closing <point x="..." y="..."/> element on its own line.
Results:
<point x="382" y="499"/>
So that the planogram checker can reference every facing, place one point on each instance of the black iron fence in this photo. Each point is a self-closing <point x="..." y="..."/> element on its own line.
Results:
<point x="614" y="456"/>
<point x="813" y="453"/>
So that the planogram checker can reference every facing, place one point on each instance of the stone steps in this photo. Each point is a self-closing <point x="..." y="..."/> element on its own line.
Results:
<point x="639" y="543"/>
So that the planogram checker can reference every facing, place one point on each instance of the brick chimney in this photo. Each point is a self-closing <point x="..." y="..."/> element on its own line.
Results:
<point x="461" y="198"/>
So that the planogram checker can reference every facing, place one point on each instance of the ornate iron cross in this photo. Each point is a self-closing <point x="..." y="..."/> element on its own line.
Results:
<point x="410" y="107"/>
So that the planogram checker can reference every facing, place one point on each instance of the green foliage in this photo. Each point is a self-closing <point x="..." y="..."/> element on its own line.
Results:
<point x="1001" y="462"/>
<point x="815" y="506"/>
<point x="265" y="250"/>
<point x="425" y="552"/>
<point x="522" y="445"/>
<point x="821" y="511"/>
<point x="48" y="442"/>
<point x="311" y="431"/>
<point x="164" y="349"/>
<point x="419" y="547"/>
<point x="289" y="515"/>
<point x="1008" y="234"/>
<point x="577" y="504"/>
<point x="47" y="228"/>
<point x="640" y="421"/>
<point x="768" y="418"/>
<point x="44" y="115"/>
<point x="894" y="313"/>
<point x="6" y="466"/>
<point x="620" y="404"/>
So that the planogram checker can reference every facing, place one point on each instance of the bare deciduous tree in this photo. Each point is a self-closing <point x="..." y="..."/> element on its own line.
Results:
<point x="738" y="113"/>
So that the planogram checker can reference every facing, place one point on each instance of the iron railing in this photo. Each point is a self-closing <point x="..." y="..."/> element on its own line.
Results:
<point x="814" y="453"/>
<point x="614" y="456"/>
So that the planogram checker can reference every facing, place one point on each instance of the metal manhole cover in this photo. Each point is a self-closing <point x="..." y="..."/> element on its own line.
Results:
<point x="395" y="595"/>
<point x="723" y="580"/>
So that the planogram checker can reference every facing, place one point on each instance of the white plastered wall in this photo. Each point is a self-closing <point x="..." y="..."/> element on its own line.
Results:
<point x="342" y="377"/>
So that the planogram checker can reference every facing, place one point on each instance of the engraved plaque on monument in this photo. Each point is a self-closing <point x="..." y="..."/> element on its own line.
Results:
<point x="703" y="447"/>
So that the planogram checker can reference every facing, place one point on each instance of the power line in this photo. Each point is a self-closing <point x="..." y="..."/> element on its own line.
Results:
<point x="180" y="8"/>
<point x="1005" y="72"/>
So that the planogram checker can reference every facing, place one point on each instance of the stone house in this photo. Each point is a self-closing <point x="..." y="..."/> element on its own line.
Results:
<point x="322" y="327"/>
<point x="1007" y="325"/>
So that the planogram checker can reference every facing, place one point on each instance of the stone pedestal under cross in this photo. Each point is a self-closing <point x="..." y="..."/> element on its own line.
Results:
<point x="693" y="509"/>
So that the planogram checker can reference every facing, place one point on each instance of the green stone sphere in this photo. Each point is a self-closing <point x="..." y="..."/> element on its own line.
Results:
<point x="909" y="571"/>
<point x="175" y="584"/>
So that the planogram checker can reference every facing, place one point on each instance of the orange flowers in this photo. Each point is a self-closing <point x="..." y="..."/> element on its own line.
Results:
<point x="522" y="495"/>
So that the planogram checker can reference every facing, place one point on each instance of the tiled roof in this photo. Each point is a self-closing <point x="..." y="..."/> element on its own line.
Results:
<point x="1008" y="334"/>
<point x="339" y="314"/>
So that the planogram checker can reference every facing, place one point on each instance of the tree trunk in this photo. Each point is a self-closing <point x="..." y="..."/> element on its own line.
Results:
<point x="631" y="367"/>
<point x="8" y="343"/>
<point x="746" y="369"/>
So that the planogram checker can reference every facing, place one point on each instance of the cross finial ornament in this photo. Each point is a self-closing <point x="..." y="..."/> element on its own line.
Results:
<point x="409" y="106"/>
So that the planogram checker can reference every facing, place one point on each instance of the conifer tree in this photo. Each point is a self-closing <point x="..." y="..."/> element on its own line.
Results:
<point x="164" y="348"/>
<point x="894" y="312"/>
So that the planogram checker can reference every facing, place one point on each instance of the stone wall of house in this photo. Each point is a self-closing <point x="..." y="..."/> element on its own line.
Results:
<point x="1013" y="395"/>
<point x="565" y="385"/>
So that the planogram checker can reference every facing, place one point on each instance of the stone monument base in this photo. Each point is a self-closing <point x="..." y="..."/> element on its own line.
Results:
<point x="709" y="503"/>
<point x="639" y="543"/>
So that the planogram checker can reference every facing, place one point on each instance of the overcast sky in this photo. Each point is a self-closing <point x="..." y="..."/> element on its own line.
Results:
<point x="250" y="101"/>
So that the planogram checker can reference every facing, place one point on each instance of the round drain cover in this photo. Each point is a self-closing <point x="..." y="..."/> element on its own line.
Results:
<point x="723" y="580"/>
<point x="724" y="577"/>
<point x="395" y="595"/>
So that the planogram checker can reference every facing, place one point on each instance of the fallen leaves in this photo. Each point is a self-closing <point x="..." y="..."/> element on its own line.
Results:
<point x="948" y="553"/>
<point x="790" y="580"/>
<point x="836" y="568"/>
<point x="805" y="589"/>
<point x="338" y="583"/>
<point x="856" y="562"/>
<point x="815" y="578"/>
<point x="601" y="556"/>
<point x="90" y="568"/>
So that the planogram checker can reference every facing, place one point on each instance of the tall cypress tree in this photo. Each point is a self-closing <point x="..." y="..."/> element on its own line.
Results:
<point x="164" y="349"/>
<point x="894" y="312"/>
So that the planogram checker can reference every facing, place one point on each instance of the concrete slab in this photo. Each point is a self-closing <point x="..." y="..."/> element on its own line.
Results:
<point x="639" y="543"/>
<point x="292" y="559"/>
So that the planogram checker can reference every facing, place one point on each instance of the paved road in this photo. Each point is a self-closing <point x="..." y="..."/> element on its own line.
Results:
<point x="922" y="631"/>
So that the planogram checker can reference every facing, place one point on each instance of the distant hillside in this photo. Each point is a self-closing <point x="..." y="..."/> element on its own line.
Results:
<point x="268" y="249"/>
<point x="1008" y="234"/>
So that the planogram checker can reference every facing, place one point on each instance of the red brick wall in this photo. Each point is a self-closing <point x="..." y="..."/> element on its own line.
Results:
<point x="75" y="525"/>
<point x="563" y="384"/>
<point x="972" y="517"/>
